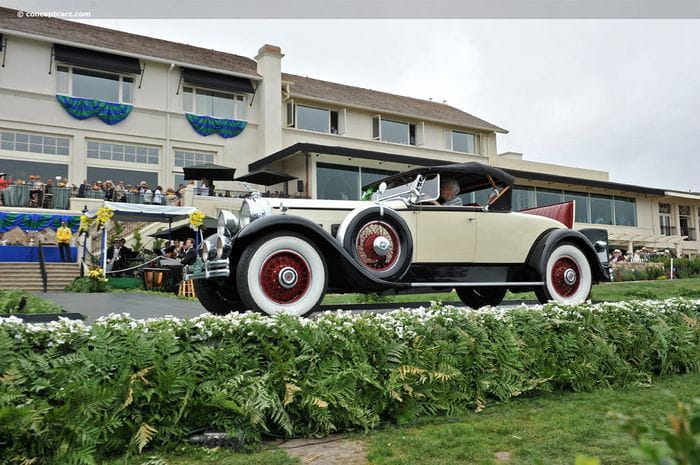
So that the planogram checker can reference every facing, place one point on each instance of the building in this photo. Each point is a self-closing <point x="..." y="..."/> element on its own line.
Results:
<point x="85" y="102"/>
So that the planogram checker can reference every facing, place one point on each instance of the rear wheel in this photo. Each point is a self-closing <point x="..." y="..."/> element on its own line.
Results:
<point x="477" y="297"/>
<point x="568" y="278"/>
<point x="282" y="273"/>
<point x="216" y="297"/>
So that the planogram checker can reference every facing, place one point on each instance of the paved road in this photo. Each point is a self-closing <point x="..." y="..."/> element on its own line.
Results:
<point x="138" y="305"/>
<point x="152" y="306"/>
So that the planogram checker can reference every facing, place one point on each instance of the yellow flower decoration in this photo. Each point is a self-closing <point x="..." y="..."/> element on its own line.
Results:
<point x="85" y="223"/>
<point x="96" y="274"/>
<point x="196" y="219"/>
<point x="104" y="214"/>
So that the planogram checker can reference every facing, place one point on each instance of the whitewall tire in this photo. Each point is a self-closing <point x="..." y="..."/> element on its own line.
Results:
<point x="282" y="272"/>
<point x="568" y="277"/>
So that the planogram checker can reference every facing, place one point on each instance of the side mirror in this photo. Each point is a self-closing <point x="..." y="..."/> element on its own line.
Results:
<point x="382" y="188"/>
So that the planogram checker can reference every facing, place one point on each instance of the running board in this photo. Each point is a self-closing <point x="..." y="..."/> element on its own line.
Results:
<point x="494" y="284"/>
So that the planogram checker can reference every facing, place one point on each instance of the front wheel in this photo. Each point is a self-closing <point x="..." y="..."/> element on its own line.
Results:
<point x="217" y="298"/>
<point x="477" y="297"/>
<point x="567" y="278"/>
<point x="282" y="272"/>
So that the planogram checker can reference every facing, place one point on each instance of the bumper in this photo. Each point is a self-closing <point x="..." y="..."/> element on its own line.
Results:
<point x="205" y="270"/>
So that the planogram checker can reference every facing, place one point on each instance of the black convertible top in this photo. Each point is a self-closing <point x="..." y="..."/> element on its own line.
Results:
<point x="465" y="174"/>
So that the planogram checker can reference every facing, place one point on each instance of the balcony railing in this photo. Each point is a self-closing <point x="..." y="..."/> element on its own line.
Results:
<point x="232" y="193"/>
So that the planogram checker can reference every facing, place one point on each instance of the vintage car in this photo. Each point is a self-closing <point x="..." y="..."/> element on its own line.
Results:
<point x="283" y="255"/>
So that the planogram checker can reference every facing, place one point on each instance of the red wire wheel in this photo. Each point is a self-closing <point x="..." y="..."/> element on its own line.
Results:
<point x="565" y="276"/>
<point x="378" y="246"/>
<point x="285" y="277"/>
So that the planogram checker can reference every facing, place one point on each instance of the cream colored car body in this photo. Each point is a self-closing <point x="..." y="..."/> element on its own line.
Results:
<point x="440" y="234"/>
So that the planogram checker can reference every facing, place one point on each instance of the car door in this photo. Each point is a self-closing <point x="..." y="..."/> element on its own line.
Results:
<point x="445" y="234"/>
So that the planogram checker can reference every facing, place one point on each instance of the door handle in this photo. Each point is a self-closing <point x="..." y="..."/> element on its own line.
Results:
<point x="471" y="218"/>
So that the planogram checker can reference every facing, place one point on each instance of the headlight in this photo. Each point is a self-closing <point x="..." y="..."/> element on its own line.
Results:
<point x="223" y="247"/>
<point x="207" y="249"/>
<point x="253" y="209"/>
<point x="228" y="224"/>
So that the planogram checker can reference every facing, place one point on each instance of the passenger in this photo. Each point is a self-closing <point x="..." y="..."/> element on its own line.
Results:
<point x="449" y="188"/>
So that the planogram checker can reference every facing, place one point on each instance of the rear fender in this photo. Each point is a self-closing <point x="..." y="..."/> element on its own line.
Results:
<point x="344" y="272"/>
<point x="546" y="243"/>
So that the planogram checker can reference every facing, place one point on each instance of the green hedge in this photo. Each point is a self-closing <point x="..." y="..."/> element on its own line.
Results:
<point x="73" y="394"/>
<point x="18" y="301"/>
<point x="682" y="267"/>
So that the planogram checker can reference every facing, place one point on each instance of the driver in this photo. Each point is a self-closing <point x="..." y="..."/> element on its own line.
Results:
<point x="449" y="188"/>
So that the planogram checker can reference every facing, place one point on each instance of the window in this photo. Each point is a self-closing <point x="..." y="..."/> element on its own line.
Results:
<point x="549" y="197"/>
<point x="315" y="119"/>
<point x="34" y="143"/>
<point x="461" y="141"/>
<point x="130" y="177"/>
<point x="189" y="158"/>
<point x="214" y="103"/>
<point x="665" y="219"/>
<point x="123" y="152"/>
<point x="589" y="208"/>
<point x="625" y="211"/>
<point x="20" y="169"/>
<point x="601" y="209"/>
<point x="582" y="206"/>
<point x="685" y="223"/>
<point x="395" y="131"/>
<point x="98" y="85"/>
<point x="523" y="197"/>
<point x="339" y="182"/>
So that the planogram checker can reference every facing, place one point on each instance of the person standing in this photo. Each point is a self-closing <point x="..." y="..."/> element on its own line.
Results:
<point x="64" y="236"/>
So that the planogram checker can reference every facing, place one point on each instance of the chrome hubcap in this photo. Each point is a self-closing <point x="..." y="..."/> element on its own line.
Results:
<point x="381" y="246"/>
<point x="569" y="276"/>
<point x="287" y="277"/>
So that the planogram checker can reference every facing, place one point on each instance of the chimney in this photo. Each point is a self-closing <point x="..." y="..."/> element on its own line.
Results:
<point x="269" y="92"/>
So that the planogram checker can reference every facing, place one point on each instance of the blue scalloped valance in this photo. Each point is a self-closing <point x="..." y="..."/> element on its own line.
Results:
<point x="36" y="221"/>
<point x="206" y="125"/>
<point x="84" y="108"/>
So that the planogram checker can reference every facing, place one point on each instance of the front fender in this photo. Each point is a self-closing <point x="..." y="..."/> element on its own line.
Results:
<point x="344" y="272"/>
<point x="546" y="243"/>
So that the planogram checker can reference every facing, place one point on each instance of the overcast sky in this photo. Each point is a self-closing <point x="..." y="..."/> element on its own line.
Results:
<point x="615" y="95"/>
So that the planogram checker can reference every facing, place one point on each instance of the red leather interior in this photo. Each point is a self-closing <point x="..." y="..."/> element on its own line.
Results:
<point x="562" y="212"/>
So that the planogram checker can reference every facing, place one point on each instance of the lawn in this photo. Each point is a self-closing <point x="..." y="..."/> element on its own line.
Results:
<point x="630" y="290"/>
<point x="549" y="429"/>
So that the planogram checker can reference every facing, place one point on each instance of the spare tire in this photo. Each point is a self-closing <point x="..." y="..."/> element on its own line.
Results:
<point x="379" y="240"/>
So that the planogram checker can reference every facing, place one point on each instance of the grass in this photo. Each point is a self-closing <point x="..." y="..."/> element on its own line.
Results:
<point x="630" y="290"/>
<point x="190" y="455"/>
<point x="16" y="301"/>
<point x="549" y="429"/>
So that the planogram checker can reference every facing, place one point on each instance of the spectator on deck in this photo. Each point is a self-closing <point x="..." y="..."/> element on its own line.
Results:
<point x="84" y="187"/>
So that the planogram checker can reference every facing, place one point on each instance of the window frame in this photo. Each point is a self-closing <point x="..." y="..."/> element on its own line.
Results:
<point x="99" y="160"/>
<point x="69" y="92"/>
<point x="378" y="136"/>
<point x="236" y="96"/>
<point x="43" y="136"/>
<point x="449" y="141"/>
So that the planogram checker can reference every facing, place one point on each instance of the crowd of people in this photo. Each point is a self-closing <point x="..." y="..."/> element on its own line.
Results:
<point x="640" y="256"/>
<point x="109" y="190"/>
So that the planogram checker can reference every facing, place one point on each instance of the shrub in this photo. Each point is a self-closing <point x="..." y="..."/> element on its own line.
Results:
<point x="371" y="298"/>
<point x="682" y="267"/>
<point x="72" y="393"/>
<point x="17" y="301"/>
<point x="86" y="285"/>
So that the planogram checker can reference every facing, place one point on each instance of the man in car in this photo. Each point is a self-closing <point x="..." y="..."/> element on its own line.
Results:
<point x="449" y="188"/>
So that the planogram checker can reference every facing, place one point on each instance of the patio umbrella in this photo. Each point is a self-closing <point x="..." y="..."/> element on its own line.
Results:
<point x="182" y="233"/>
<point x="265" y="177"/>
<point x="210" y="171"/>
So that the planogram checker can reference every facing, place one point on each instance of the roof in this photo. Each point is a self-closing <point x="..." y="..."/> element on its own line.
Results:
<point x="71" y="32"/>
<point x="342" y="152"/>
<point x="419" y="161"/>
<point x="384" y="102"/>
<point x="93" y="36"/>
<point x="461" y="171"/>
